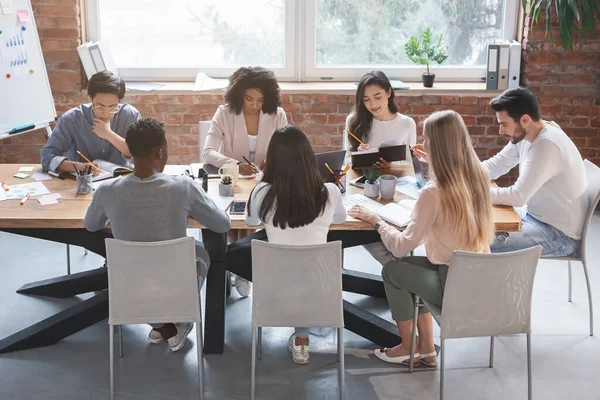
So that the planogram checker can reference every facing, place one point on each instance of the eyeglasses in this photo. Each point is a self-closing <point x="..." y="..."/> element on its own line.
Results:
<point x="110" y="110"/>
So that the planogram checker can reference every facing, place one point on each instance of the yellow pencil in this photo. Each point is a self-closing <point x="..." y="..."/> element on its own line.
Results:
<point x="84" y="157"/>
<point x="329" y="168"/>
<point x="346" y="169"/>
<point x="354" y="136"/>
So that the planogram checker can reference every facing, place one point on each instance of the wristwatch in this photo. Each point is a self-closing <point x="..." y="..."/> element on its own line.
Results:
<point x="377" y="225"/>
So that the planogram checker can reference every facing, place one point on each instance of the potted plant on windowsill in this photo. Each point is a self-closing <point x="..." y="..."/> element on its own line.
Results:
<point x="371" y="183"/>
<point x="428" y="51"/>
<point x="226" y="186"/>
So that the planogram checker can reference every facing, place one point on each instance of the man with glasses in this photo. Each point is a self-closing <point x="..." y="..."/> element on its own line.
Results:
<point x="96" y="129"/>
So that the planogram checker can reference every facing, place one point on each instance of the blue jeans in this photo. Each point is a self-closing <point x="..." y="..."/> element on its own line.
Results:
<point x="534" y="232"/>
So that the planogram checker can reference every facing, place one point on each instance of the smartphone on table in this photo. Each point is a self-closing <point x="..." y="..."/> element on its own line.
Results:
<point x="237" y="208"/>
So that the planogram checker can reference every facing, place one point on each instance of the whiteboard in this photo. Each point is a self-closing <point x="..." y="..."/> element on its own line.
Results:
<point x="26" y="101"/>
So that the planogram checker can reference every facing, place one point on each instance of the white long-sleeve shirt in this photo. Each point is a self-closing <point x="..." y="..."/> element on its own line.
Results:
<point x="310" y="234"/>
<point x="551" y="181"/>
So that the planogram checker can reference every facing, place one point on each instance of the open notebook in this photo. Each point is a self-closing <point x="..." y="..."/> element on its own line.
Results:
<point x="394" y="213"/>
<point x="109" y="170"/>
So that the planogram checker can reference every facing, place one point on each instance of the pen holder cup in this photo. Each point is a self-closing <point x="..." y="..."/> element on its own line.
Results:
<point x="84" y="184"/>
<point x="339" y="178"/>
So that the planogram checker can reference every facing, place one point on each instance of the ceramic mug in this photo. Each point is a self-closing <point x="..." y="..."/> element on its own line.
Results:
<point x="387" y="186"/>
<point x="230" y="169"/>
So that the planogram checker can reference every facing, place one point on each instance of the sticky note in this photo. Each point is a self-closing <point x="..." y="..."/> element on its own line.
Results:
<point x="41" y="176"/>
<point x="21" y="175"/>
<point x="7" y="6"/>
<point x="23" y="16"/>
<point x="26" y="169"/>
<point x="46" y="200"/>
<point x="54" y="195"/>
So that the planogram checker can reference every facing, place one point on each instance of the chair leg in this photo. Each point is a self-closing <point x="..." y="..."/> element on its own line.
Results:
<point x="253" y="368"/>
<point x="491" y="352"/>
<point x="442" y="357"/>
<point x="120" y="341"/>
<point x="570" y="283"/>
<point x="68" y="260"/>
<point x="85" y="252"/>
<point x="342" y="366"/>
<point x="529" y="374"/>
<point x="200" y="359"/>
<point x="589" y="290"/>
<point x="111" y="340"/>
<point x="413" y="344"/>
<point x="339" y="345"/>
<point x="259" y="355"/>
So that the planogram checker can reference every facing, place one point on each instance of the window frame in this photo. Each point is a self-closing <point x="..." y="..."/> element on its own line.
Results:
<point x="300" y="53"/>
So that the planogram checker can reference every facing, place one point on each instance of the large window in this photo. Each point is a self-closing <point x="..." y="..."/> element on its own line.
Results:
<point x="298" y="39"/>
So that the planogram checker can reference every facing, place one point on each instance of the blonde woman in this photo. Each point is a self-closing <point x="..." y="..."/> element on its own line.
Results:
<point x="453" y="212"/>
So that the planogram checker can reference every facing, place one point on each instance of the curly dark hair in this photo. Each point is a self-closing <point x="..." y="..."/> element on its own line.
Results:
<point x="106" y="82"/>
<point x="145" y="135"/>
<point x="258" y="78"/>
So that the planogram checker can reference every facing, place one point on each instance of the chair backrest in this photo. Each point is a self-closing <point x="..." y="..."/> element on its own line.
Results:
<point x="592" y="192"/>
<point x="203" y="127"/>
<point x="297" y="285"/>
<point x="489" y="294"/>
<point x="152" y="282"/>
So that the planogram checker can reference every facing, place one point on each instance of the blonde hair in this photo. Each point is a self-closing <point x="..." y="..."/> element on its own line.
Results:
<point x="463" y="182"/>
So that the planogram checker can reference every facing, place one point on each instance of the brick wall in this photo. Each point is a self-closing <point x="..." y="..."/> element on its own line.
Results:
<point x="567" y="83"/>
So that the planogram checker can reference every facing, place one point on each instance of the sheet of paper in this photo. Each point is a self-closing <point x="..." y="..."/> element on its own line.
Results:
<point x="17" y="192"/>
<point x="7" y="6"/>
<point x="96" y="185"/>
<point x="54" y="195"/>
<point x="20" y="175"/>
<point x="26" y="169"/>
<point x="41" y="176"/>
<point x="46" y="200"/>
<point x="2" y="194"/>
<point x="177" y="170"/>
<point x="204" y="82"/>
<point x="408" y="185"/>
<point x="23" y="16"/>
<point x="143" y="86"/>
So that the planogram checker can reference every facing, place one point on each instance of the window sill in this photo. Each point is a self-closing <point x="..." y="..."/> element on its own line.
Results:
<point x="345" y="88"/>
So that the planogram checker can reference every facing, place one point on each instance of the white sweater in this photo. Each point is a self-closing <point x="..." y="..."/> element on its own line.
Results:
<point x="400" y="130"/>
<point x="311" y="234"/>
<point x="551" y="181"/>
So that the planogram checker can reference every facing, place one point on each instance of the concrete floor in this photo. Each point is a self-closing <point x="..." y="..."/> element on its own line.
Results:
<point x="566" y="360"/>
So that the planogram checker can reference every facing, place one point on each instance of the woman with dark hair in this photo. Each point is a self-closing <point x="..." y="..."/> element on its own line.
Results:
<point x="375" y="119"/>
<point x="243" y="127"/>
<point x="295" y="205"/>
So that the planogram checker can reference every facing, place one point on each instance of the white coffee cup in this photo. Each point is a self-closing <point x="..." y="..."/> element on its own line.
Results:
<point x="387" y="186"/>
<point x="230" y="169"/>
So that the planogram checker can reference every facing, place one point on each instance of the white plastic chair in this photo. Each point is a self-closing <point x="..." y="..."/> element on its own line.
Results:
<point x="203" y="127"/>
<point x="152" y="283"/>
<point x="593" y="196"/>
<point x="314" y="297"/>
<point x="485" y="295"/>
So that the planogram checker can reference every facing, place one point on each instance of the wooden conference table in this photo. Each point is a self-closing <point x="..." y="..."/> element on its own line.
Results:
<point x="70" y="212"/>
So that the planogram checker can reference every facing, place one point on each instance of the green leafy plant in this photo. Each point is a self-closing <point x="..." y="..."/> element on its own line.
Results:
<point x="371" y="174"/>
<point x="428" y="51"/>
<point x="575" y="17"/>
<point x="226" y="180"/>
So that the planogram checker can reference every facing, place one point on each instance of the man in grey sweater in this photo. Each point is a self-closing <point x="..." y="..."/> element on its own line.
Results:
<point x="150" y="206"/>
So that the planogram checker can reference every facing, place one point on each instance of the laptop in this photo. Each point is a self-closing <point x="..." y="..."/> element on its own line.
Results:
<point x="335" y="160"/>
<point x="419" y="176"/>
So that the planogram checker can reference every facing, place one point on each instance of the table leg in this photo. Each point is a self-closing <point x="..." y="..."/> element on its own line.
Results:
<point x="68" y="285"/>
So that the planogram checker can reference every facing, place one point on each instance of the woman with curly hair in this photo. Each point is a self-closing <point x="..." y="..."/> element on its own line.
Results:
<point x="243" y="127"/>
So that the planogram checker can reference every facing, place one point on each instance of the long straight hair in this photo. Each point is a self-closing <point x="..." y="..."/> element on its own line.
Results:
<point x="296" y="195"/>
<point x="362" y="119"/>
<point x="464" y="184"/>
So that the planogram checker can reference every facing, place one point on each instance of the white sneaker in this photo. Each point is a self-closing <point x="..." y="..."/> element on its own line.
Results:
<point x="178" y="341"/>
<point x="299" y="353"/>
<point x="155" y="337"/>
<point x="243" y="286"/>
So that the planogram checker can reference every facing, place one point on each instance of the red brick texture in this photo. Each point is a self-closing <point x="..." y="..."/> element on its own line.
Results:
<point x="567" y="83"/>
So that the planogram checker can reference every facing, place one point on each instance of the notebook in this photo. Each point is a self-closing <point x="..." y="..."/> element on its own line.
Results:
<point x="367" y="158"/>
<point x="394" y="213"/>
<point x="109" y="170"/>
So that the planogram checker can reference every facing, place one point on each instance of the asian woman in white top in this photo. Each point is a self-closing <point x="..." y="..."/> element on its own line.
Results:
<point x="295" y="206"/>
<point x="244" y="125"/>
<point x="375" y="119"/>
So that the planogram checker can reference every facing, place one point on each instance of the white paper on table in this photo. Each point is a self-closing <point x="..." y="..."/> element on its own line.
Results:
<point x="17" y="192"/>
<point x="54" y="195"/>
<point x="46" y="200"/>
<point x="26" y="169"/>
<point x="41" y="176"/>
<point x="2" y="195"/>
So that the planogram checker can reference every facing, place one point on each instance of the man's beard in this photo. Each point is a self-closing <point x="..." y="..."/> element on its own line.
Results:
<point x="517" y="139"/>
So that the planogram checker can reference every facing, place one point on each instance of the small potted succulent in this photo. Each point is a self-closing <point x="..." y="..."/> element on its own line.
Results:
<point x="226" y="186"/>
<point x="428" y="51"/>
<point x="371" y="183"/>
